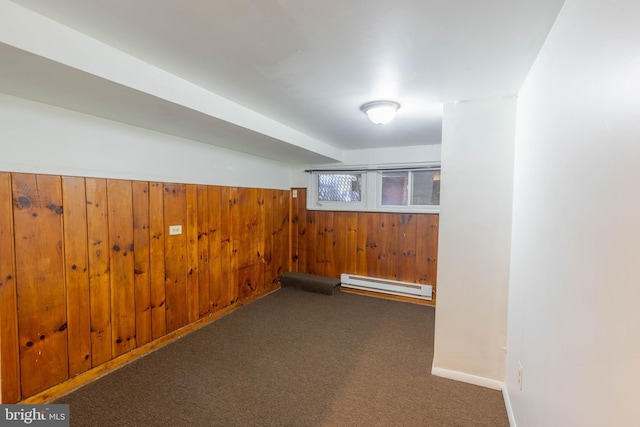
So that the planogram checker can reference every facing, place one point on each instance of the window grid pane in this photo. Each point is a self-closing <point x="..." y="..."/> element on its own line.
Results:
<point x="340" y="188"/>
<point x="395" y="186"/>
<point x="426" y="188"/>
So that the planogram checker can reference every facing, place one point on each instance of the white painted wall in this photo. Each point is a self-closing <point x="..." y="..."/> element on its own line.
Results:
<point x="574" y="321"/>
<point x="34" y="33"/>
<point x="40" y="138"/>
<point x="377" y="156"/>
<point x="474" y="242"/>
<point x="412" y="154"/>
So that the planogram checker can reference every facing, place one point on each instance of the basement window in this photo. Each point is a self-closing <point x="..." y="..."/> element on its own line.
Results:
<point x="410" y="188"/>
<point x="376" y="189"/>
<point x="340" y="187"/>
<point x="339" y="190"/>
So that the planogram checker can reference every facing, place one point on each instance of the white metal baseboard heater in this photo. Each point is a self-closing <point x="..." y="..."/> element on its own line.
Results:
<point x="392" y="287"/>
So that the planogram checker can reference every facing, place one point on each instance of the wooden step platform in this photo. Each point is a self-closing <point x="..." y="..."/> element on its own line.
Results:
<point x="310" y="282"/>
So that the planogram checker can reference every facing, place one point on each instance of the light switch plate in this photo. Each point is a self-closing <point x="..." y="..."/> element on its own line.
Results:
<point x="175" y="229"/>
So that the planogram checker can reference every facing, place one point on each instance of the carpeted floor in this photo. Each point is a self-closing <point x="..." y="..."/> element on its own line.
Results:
<point x="293" y="358"/>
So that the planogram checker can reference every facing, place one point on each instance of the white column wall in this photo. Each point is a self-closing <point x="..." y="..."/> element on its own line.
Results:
<point x="474" y="242"/>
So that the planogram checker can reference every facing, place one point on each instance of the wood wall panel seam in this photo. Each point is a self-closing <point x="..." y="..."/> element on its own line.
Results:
<point x="10" y="357"/>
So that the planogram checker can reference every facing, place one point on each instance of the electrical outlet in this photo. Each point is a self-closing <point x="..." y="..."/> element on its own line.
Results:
<point x="520" y="375"/>
<point x="294" y="194"/>
<point x="175" y="229"/>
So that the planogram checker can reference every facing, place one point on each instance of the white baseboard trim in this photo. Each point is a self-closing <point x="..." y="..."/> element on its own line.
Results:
<point x="467" y="378"/>
<point x="507" y="404"/>
<point x="480" y="381"/>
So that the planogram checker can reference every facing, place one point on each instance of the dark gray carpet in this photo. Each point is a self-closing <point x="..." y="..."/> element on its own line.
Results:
<point x="293" y="358"/>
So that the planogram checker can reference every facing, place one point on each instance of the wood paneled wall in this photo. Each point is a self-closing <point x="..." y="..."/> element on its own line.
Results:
<point x="386" y="245"/>
<point x="88" y="270"/>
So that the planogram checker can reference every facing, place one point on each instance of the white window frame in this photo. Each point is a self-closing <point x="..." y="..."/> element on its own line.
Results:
<point x="371" y="191"/>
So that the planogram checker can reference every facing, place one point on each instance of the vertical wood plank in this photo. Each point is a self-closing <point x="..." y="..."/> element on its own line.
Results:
<point x="422" y="250"/>
<point x="351" y="243"/>
<point x="280" y="236"/>
<point x="242" y="224"/>
<point x="234" y="236"/>
<point x="253" y="234"/>
<point x="175" y="258"/>
<point x="373" y="245"/>
<point x="216" y="284"/>
<point x="74" y="204"/>
<point x="269" y="212"/>
<point x="329" y="267"/>
<point x="123" y="321"/>
<point x="259" y="239"/>
<point x="285" y="256"/>
<point x="340" y="239"/>
<point x="156" y="259"/>
<point x="192" y="254"/>
<point x="319" y="219"/>
<point x="383" y="247"/>
<point x="239" y="234"/>
<point x="204" y="305"/>
<point x="294" y="230"/>
<point x="319" y="247"/>
<point x="361" y="250"/>
<point x="406" y="248"/>
<point x="432" y="251"/>
<point x="99" y="281"/>
<point x="228" y="279"/>
<point x="42" y="314"/>
<point x="302" y="231"/>
<point x="387" y="240"/>
<point x="142" y="273"/>
<point x="9" y="343"/>
<point x="249" y="228"/>
<point x="311" y="242"/>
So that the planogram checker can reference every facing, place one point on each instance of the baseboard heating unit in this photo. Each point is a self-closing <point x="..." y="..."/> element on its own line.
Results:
<point x="392" y="287"/>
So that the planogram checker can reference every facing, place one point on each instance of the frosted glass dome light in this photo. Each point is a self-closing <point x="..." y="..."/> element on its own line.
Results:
<point x="380" y="112"/>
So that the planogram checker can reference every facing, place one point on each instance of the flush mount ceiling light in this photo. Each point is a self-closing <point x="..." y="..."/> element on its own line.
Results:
<point x="380" y="112"/>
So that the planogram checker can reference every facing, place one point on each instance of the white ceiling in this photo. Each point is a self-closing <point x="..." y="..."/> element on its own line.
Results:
<point x="307" y="64"/>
